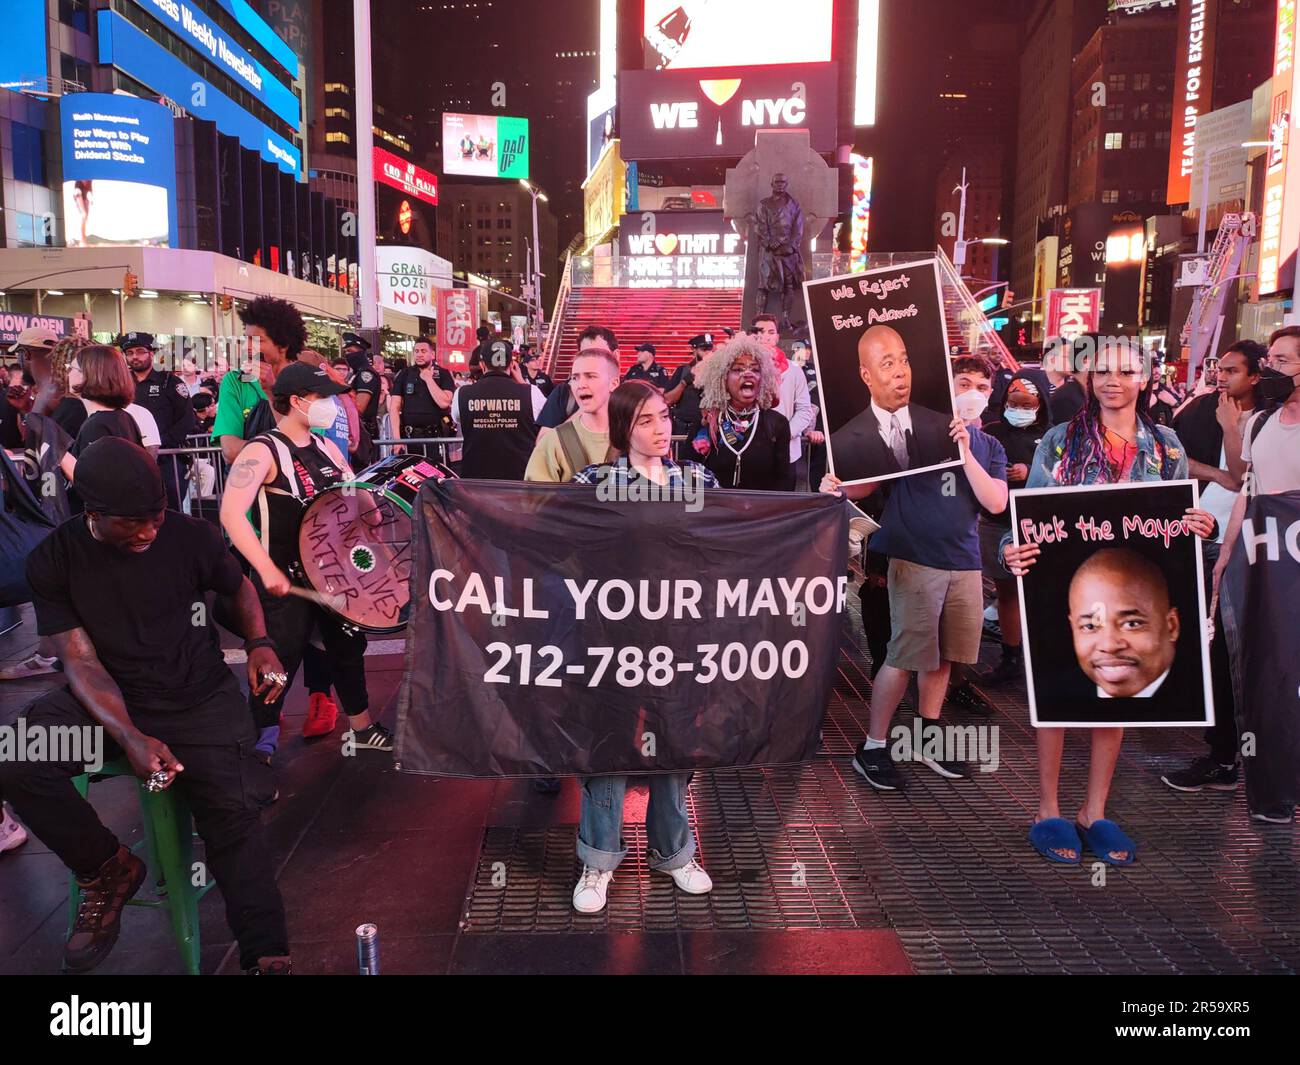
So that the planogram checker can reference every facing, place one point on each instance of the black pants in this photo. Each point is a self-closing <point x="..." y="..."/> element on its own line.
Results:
<point x="223" y="783"/>
<point x="1222" y="735"/>
<point x="317" y="677"/>
<point x="433" y="452"/>
<point x="289" y="623"/>
<point x="874" y="594"/>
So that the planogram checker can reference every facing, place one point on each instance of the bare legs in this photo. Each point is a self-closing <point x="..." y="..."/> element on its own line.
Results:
<point x="1106" y="743"/>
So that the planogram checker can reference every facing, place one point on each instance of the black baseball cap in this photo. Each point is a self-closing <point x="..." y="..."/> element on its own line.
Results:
<point x="704" y="340"/>
<point x="646" y="347"/>
<point x="127" y="341"/>
<point x="297" y="378"/>
<point x="500" y="354"/>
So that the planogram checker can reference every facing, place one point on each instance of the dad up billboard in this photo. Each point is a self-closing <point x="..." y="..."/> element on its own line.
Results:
<point x="714" y="113"/>
<point x="408" y="278"/>
<point x="119" y="171"/>
<point x="681" y="249"/>
<point x="485" y="146"/>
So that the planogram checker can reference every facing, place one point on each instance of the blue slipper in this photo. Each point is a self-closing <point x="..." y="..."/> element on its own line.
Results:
<point x="1055" y="833"/>
<point x="1106" y="836"/>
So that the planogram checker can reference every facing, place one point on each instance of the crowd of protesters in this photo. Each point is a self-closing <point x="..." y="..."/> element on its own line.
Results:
<point x="738" y="413"/>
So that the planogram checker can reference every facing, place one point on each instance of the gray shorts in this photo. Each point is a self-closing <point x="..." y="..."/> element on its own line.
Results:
<point x="935" y="614"/>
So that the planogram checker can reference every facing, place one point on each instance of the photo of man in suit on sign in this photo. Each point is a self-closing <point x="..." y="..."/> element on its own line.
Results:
<point x="892" y="435"/>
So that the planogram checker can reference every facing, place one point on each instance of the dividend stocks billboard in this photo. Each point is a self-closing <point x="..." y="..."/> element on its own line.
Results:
<point x="119" y="171"/>
<point x="681" y="249"/>
<point x="681" y="34"/>
<point x="714" y="113"/>
<point x="457" y="324"/>
<point x="485" y="146"/>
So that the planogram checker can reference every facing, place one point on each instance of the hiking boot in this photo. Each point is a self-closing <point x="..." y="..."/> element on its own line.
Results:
<point x="99" y="914"/>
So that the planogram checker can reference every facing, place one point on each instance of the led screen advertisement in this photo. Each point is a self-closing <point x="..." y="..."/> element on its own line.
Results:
<point x="714" y="113"/>
<point x="409" y="278"/>
<point x="681" y="249"/>
<point x="485" y="146"/>
<point x="22" y="59"/>
<point x="406" y="176"/>
<point x="684" y="34"/>
<point x="119" y="171"/>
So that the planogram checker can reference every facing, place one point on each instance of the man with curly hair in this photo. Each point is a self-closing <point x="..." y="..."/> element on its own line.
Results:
<point x="276" y="334"/>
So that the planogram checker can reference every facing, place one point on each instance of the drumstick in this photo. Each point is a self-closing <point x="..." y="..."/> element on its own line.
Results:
<point x="333" y="602"/>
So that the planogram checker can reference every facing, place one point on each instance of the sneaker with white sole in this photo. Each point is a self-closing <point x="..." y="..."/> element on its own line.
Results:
<point x="593" y="886"/>
<point x="12" y="834"/>
<point x="35" y="666"/>
<point x="691" y="878"/>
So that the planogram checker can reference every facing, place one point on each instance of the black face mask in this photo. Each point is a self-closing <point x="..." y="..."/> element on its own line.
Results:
<point x="1274" y="387"/>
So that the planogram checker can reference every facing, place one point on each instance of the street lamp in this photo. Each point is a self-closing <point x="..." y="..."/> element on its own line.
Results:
<point x="536" y="264"/>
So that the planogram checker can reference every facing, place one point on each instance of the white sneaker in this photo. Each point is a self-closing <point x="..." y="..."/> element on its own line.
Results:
<point x="12" y="834"/>
<point x="593" y="886"/>
<point x="691" y="878"/>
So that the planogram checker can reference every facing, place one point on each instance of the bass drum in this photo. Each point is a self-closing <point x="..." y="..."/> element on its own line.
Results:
<point x="355" y="542"/>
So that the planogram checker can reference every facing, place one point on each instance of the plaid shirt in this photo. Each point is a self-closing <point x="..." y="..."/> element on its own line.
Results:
<point x="620" y="474"/>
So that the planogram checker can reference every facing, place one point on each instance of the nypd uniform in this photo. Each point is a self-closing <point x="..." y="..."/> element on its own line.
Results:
<point x="420" y="415"/>
<point x="497" y="416"/>
<point x="164" y="395"/>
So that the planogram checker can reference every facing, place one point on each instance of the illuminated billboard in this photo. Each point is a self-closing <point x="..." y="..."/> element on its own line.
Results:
<point x="485" y="146"/>
<point x="681" y="249"/>
<point x="715" y="112"/>
<point x="604" y="194"/>
<point x="1277" y="227"/>
<point x="458" y="310"/>
<point x="409" y="278"/>
<point x="860" y="217"/>
<point x="409" y="178"/>
<point x="22" y="59"/>
<point x="1193" y="84"/>
<point x="1072" y="312"/>
<point x="684" y="34"/>
<point x="119" y="171"/>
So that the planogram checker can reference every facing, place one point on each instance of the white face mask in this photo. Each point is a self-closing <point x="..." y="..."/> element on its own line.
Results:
<point x="321" y="413"/>
<point x="1020" y="417"/>
<point x="970" y="405"/>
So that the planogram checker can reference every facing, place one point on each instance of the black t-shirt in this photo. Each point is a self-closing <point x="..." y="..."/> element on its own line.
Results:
<point x="139" y="610"/>
<point x="367" y="381"/>
<point x="418" y="407"/>
<point x="69" y="414"/>
<point x="106" y="423"/>
<point x="1020" y="446"/>
<point x="1066" y="401"/>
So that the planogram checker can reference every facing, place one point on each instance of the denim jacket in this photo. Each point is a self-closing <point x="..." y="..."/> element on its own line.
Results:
<point x="1043" y="472"/>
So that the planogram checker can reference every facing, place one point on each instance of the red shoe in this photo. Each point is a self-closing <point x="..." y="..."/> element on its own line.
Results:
<point x="322" y="715"/>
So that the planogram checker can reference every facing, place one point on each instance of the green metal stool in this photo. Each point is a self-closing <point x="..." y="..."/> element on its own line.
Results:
<point x="169" y="843"/>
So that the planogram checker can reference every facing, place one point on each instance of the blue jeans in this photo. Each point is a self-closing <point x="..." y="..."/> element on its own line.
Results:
<point x="670" y="842"/>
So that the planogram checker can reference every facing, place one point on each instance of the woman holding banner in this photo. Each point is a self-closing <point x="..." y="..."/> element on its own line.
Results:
<point x="744" y="440"/>
<point x="1111" y="440"/>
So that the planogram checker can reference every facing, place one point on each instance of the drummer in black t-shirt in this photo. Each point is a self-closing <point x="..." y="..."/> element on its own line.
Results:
<point x="118" y="589"/>
<point x="274" y="478"/>
<point x="420" y="402"/>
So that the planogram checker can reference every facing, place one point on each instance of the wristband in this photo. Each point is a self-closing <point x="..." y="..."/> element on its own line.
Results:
<point x="260" y="642"/>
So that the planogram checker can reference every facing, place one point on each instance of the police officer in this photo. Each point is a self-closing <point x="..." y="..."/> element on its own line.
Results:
<point x="684" y="397"/>
<point x="420" y="402"/>
<point x="646" y="369"/>
<point x="364" y="382"/>
<point x="479" y="356"/>
<point x="164" y="395"/>
<point x="534" y="374"/>
<point x="497" y="416"/>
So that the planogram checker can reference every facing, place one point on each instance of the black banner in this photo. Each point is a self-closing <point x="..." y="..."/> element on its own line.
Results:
<point x="1112" y="608"/>
<point x="1257" y="599"/>
<point x="573" y="630"/>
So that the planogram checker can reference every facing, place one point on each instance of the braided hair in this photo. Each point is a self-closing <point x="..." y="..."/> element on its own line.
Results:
<point x="1084" y="457"/>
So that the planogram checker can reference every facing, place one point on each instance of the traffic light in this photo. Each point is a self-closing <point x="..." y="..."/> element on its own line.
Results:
<point x="130" y="284"/>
